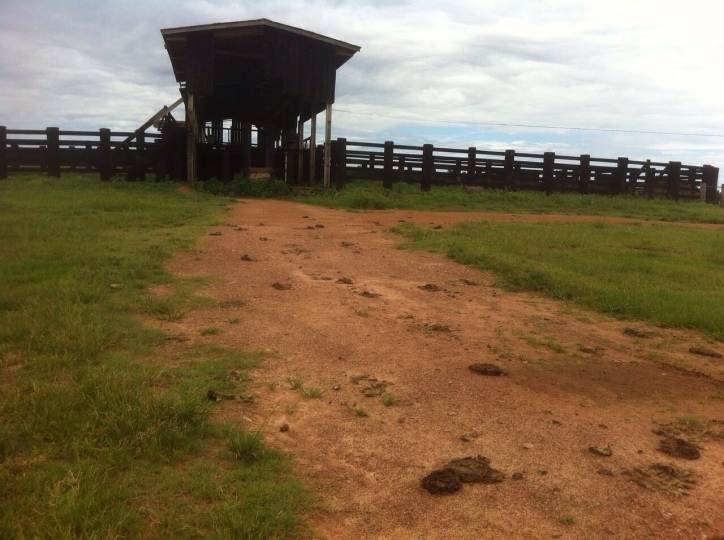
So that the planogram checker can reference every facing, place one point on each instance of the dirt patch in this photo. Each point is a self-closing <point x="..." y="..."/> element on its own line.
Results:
<point x="573" y="379"/>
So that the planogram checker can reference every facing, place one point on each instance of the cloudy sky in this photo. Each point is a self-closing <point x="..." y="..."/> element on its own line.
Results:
<point x="642" y="78"/>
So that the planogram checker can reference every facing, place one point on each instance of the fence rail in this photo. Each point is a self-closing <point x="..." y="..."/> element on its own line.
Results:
<point x="546" y="172"/>
<point x="138" y="153"/>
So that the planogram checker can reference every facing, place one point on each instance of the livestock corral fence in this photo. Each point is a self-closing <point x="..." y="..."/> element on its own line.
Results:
<point x="546" y="172"/>
<point x="136" y="154"/>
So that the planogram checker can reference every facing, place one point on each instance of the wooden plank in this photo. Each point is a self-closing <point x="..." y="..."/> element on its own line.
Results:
<point x="52" y="152"/>
<point x="104" y="154"/>
<point x="388" y="164"/>
<point x="3" y="152"/>
<point x="428" y="167"/>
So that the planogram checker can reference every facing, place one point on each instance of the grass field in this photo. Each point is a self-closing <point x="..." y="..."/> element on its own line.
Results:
<point x="98" y="438"/>
<point x="653" y="270"/>
<point x="365" y="195"/>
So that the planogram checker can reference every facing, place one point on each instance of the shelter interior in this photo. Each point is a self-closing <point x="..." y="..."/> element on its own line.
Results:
<point x="249" y="87"/>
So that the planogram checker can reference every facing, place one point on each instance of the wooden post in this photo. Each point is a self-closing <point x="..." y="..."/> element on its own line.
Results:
<point x="584" y="174"/>
<point x="674" y="179"/>
<point x="549" y="160"/>
<point x="710" y="176"/>
<point x="509" y="168"/>
<point x="428" y="167"/>
<point x="300" y="151"/>
<point x="472" y="158"/>
<point x="140" y="161"/>
<point x="53" y="152"/>
<point x="328" y="146"/>
<point x="246" y="145"/>
<point x="313" y="150"/>
<point x="650" y="180"/>
<point x="191" y="136"/>
<point x="339" y="155"/>
<point x="619" y="177"/>
<point x="702" y="187"/>
<point x="401" y="168"/>
<point x="387" y="178"/>
<point x="3" y="152"/>
<point x="104" y="154"/>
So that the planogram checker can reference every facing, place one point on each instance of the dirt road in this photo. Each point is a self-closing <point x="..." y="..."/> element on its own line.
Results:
<point x="344" y="311"/>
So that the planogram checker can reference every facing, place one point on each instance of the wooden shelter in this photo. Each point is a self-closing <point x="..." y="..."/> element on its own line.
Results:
<point x="249" y="87"/>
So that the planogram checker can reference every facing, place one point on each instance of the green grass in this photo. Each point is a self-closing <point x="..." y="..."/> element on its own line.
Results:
<point x="366" y="195"/>
<point x="664" y="273"/>
<point x="105" y="430"/>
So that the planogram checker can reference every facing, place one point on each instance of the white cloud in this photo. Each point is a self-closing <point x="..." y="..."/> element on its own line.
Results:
<point x="437" y="71"/>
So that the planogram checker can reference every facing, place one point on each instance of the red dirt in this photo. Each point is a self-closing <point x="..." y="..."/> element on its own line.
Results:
<point x="572" y="379"/>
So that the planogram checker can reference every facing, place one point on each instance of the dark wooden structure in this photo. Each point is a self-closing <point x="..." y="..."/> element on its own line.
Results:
<point x="548" y="172"/>
<point x="249" y="87"/>
<point x="137" y="154"/>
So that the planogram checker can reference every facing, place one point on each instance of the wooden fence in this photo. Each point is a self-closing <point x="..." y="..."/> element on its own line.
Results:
<point x="54" y="151"/>
<point x="546" y="172"/>
<point x="136" y="154"/>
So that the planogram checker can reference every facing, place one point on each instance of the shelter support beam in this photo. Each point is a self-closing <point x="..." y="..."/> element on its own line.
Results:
<point x="191" y="137"/>
<point x="300" y="151"/>
<point x="328" y="146"/>
<point x="312" y="149"/>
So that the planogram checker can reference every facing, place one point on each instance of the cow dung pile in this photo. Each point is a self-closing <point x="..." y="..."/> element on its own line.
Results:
<point x="461" y="471"/>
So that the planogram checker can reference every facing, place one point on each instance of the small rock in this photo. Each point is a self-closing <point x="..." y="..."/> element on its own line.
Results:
<point x="263" y="239"/>
<point x="246" y="257"/>
<point x="305" y="217"/>
<point x="336" y="387"/>
<point x="213" y="395"/>
<point x="430" y="287"/>
<point x="344" y="281"/>
<point x="556" y="534"/>
<point x="368" y="294"/>
<point x="528" y="446"/>
<point x="441" y="482"/>
<point x="703" y="351"/>
<point x="608" y="531"/>
<point x="284" y="427"/>
<point x="517" y="476"/>
<point x="486" y="369"/>
<point x="605" y="472"/>
<point x="464" y="438"/>
<point x="603" y="426"/>
<point x="635" y="332"/>
<point x="604" y="451"/>
<point x="319" y="226"/>
<point x="679" y="448"/>
<point x="310" y="227"/>
<point x="556" y="422"/>
<point x="116" y="286"/>
<point x="281" y="286"/>
<point x="215" y="233"/>
<point x="542" y="472"/>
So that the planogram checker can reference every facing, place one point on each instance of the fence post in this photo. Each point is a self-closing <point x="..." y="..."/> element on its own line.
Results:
<point x="619" y="176"/>
<point x="584" y="174"/>
<point x="3" y="152"/>
<point x="709" y="180"/>
<point x="509" y="168"/>
<point x="549" y="160"/>
<point x="140" y="161"/>
<point x="389" y="156"/>
<point x="53" y="152"/>
<point x="674" y="179"/>
<point x="339" y="162"/>
<point x="472" y="157"/>
<point x="428" y="166"/>
<point x="649" y="180"/>
<point x="104" y="154"/>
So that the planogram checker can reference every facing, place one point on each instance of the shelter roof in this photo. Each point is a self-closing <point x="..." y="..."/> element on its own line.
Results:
<point x="177" y="41"/>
